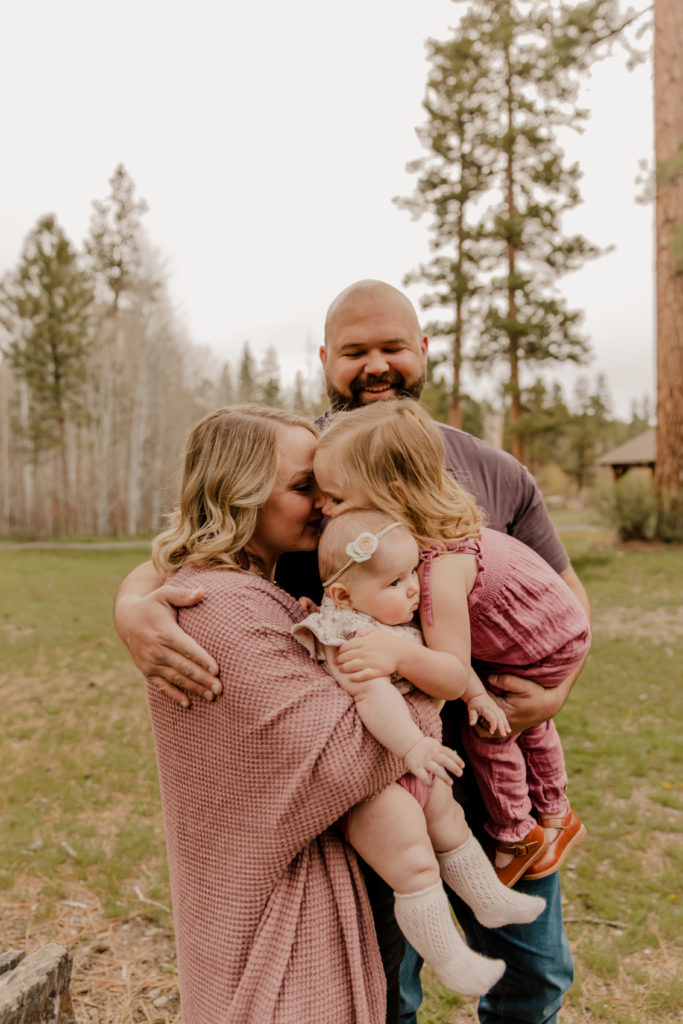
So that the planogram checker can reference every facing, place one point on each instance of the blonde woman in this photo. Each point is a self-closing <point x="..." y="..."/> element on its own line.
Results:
<point x="271" y="916"/>
<point x="486" y="596"/>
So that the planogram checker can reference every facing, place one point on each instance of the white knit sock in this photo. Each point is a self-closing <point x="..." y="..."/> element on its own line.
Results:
<point x="469" y="873"/>
<point x="425" y="920"/>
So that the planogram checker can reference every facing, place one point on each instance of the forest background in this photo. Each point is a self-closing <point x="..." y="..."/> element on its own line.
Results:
<point x="100" y="381"/>
<point x="104" y="386"/>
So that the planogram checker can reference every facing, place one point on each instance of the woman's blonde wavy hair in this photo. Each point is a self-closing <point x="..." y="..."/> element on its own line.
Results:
<point x="231" y="460"/>
<point x="393" y="454"/>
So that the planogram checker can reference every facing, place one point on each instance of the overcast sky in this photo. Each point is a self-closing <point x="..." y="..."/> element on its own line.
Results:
<point x="268" y="139"/>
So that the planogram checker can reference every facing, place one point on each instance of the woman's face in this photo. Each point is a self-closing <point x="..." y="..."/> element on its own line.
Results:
<point x="336" y="499"/>
<point x="291" y="516"/>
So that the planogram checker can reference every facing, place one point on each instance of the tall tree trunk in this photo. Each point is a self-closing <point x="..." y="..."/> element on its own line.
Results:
<point x="28" y="462"/>
<point x="515" y="395"/>
<point x="669" y="158"/>
<point x="5" y="461"/>
<point x="454" y="403"/>
<point x="136" y="440"/>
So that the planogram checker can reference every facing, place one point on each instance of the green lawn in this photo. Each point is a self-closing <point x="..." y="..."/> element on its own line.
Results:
<point x="80" y="799"/>
<point x="80" y="813"/>
<point x="621" y="733"/>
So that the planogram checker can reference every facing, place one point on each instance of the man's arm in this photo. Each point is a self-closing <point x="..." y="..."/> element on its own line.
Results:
<point x="146" y="620"/>
<point x="527" y="703"/>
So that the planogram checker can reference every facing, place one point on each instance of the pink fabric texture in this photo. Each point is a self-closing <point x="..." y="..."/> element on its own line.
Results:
<point x="272" y="921"/>
<point x="331" y="626"/>
<point x="524" y="620"/>
<point x="515" y="774"/>
<point x="523" y="617"/>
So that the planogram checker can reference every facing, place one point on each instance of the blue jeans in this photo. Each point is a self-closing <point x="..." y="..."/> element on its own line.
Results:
<point x="539" y="963"/>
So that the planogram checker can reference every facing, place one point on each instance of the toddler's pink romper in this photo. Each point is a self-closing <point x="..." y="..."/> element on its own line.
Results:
<point x="524" y="620"/>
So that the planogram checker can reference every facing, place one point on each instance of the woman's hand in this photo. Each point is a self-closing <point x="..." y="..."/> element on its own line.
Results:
<point x="370" y="653"/>
<point x="429" y="757"/>
<point x="484" y="707"/>
<point x="164" y="653"/>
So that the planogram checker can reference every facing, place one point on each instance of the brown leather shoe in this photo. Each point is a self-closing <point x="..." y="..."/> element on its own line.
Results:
<point x="571" y="832"/>
<point x="525" y="853"/>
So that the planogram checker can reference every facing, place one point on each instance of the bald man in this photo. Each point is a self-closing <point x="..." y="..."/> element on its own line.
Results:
<point x="374" y="351"/>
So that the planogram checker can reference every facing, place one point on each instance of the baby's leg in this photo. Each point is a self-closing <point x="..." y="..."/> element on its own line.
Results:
<point x="390" y="833"/>
<point x="466" y="868"/>
<point x="445" y="818"/>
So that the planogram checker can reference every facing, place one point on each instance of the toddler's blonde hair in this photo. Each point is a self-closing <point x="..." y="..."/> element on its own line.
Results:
<point x="393" y="453"/>
<point x="231" y="459"/>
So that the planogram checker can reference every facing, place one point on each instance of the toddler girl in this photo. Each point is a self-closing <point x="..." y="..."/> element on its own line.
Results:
<point x="412" y="833"/>
<point x="484" y="595"/>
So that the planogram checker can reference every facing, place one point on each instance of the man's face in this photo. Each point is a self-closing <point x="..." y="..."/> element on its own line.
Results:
<point x="373" y="351"/>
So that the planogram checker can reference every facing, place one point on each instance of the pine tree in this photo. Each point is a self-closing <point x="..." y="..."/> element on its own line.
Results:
<point x="247" y="386"/>
<point x="545" y="420"/>
<point x="115" y="243"/>
<point x="587" y="427"/>
<point x="298" y="401"/>
<point x="46" y="308"/>
<point x="497" y="185"/>
<point x="268" y="377"/>
<point x="225" y="391"/>
<point x="450" y="179"/>
<point x="127" y="288"/>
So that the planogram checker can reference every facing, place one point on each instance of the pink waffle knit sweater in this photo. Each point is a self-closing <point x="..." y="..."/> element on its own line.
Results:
<point x="271" y="915"/>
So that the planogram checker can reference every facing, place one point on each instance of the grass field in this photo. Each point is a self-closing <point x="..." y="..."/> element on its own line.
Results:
<point x="83" y="859"/>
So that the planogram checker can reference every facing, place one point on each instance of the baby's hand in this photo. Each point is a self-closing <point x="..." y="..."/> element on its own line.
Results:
<point x="429" y="757"/>
<point x="370" y="653"/>
<point x="308" y="605"/>
<point x="483" y="706"/>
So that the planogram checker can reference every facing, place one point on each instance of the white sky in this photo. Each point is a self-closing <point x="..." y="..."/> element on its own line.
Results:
<point x="269" y="138"/>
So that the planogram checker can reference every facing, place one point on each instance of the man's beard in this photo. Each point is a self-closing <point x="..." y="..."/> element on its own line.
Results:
<point x="392" y="379"/>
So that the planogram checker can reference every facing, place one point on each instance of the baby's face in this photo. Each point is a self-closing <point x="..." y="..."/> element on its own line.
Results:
<point x="336" y="498"/>
<point x="387" y="586"/>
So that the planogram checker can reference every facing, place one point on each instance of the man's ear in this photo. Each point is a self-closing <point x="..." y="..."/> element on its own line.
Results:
<point x="424" y="345"/>
<point x="322" y="352"/>
<point x="340" y="595"/>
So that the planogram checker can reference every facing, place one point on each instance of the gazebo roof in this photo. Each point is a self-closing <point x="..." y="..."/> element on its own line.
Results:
<point x="639" y="451"/>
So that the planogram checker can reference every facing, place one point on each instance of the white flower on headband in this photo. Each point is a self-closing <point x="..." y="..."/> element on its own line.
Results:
<point x="360" y="549"/>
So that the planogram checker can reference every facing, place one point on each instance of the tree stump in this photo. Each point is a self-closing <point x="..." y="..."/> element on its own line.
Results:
<point x="34" y="989"/>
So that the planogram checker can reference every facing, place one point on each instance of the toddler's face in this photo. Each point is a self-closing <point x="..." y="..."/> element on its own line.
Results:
<point x="336" y="498"/>
<point x="387" y="586"/>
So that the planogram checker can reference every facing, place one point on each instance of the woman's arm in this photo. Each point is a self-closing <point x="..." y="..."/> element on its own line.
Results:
<point x="145" y="616"/>
<point x="283" y="730"/>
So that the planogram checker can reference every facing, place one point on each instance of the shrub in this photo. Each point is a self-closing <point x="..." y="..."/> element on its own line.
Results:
<point x="632" y="508"/>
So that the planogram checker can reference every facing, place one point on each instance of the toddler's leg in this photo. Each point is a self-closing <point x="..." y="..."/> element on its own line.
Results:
<point x="466" y="868"/>
<point x="546" y="774"/>
<point x="390" y="834"/>
<point x="500" y="771"/>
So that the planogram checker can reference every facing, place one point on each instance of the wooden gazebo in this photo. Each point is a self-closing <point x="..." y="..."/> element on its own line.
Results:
<point x="639" y="451"/>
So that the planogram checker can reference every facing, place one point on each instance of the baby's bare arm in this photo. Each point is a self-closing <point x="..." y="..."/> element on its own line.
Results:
<point x="385" y="715"/>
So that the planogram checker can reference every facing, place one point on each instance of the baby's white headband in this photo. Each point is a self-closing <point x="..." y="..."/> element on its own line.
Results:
<point x="360" y="550"/>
